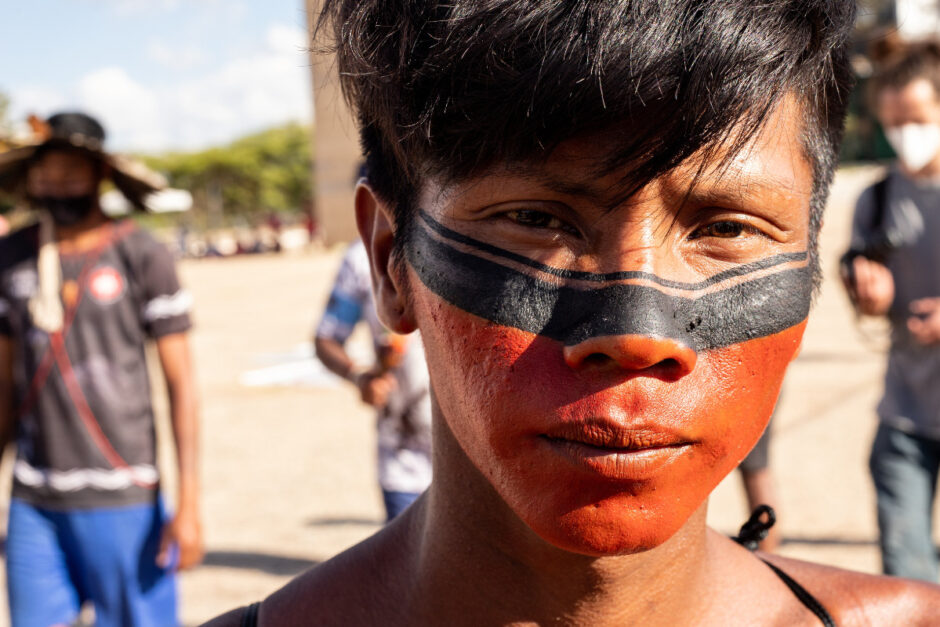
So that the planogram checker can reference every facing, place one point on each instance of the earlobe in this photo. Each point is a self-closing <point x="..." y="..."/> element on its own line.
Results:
<point x="377" y="228"/>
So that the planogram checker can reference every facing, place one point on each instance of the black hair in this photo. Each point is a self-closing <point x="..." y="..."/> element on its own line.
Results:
<point x="449" y="88"/>
<point x="899" y="63"/>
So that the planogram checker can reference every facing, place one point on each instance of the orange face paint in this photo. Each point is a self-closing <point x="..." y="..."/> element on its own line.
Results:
<point x="607" y="430"/>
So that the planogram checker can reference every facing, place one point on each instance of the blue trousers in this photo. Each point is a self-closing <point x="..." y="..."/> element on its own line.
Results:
<point x="56" y="560"/>
<point x="904" y="468"/>
<point x="397" y="502"/>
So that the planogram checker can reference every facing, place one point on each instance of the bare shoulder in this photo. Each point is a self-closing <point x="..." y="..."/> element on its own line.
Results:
<point x="860" y="599"/>
<point x="360" y="586"/>
<point x="229" y="619"/>
<point x="333" y="593"/>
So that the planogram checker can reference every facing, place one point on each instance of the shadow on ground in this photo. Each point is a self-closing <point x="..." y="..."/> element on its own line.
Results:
<point x="264" y="562"/>
<point x="829" y="541"/>
<point x="853" y="356"/>
<point x="336" y="522"/>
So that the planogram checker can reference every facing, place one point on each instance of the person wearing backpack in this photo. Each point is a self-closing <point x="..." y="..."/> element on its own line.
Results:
<point x="892" y="270"/>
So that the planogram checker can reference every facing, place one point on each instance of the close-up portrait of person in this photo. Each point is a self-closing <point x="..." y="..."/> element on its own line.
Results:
<point x="603" y="219"/>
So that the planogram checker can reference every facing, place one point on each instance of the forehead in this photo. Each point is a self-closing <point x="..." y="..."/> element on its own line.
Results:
<point x="61" y="162"/>
<point x="774" y="162"/>
<point x="918" y="91"/>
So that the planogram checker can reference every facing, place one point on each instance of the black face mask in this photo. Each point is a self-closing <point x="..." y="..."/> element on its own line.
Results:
<point x="67" y="210"/>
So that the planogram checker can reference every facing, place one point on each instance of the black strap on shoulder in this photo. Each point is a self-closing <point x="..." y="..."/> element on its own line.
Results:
<point x="750" y="535"/>
<point x="250" y="617"/>
<point x="805" y="597"/>
<point x="880" y="191"/>
<point x="756" y="527"/>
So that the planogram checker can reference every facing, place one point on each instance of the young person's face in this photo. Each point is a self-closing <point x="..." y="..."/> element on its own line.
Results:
<point x="914" y="103"/>
<point x="62" y="174"/>
<point x="605" y="367"/>
<point x="910" y="116"/>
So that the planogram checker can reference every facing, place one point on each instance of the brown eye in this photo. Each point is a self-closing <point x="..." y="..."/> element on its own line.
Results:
<point x="725" y="229"/>
<point x="539" y="220"/>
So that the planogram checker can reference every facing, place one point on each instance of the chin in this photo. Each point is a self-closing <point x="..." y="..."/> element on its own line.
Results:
<point x="621" y="525"/>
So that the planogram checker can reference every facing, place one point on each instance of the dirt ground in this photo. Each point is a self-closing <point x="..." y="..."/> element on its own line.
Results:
<point x="289" y="471"/>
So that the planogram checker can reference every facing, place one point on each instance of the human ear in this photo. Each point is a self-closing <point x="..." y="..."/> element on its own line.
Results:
<point x="389" y="284"/>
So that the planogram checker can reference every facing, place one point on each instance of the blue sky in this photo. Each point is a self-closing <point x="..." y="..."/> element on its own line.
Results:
<point x="160" y="74"/>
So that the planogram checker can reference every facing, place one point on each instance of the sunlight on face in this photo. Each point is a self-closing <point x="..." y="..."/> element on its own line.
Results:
<point x="604" y="368"/>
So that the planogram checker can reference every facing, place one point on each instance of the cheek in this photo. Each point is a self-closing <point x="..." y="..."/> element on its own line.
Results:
<point x="744" y="387"/>
<point x="471" y="365"/>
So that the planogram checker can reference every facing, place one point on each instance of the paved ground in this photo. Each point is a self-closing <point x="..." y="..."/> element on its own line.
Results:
<point x="289" y="471"/>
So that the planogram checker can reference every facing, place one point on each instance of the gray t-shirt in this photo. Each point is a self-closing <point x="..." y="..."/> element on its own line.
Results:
<point x="911" y="399"/>
<point x="85" y="431"/>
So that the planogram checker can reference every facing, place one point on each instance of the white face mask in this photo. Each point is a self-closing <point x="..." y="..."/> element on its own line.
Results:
<point x="915" y="144"/>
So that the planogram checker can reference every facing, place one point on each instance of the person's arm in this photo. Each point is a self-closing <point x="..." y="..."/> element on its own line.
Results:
<point x="350" y="295"/>
<point x="874" y="287"/>
<point x="870" y="284"/>
<point x="374" y="386"/>
<point x="185" y="529"/>
<point x="7" y="409"/>
<point x="924" y="322"/>
<point x="333" y="355"/>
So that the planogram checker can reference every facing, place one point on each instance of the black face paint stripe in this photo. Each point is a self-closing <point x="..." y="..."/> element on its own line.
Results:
<point x="744" y="311"/>
<point x="595" y="277"/>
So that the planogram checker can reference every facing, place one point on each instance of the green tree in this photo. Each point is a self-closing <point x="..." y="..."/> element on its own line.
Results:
<point x="261" y="173"/>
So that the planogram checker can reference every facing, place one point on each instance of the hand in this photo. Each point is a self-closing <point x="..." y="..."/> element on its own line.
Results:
<point x="924" y="325"/>
<point x="184" y="532"/>
<point x="374" y="388"/>
<point x="874" y="287"/>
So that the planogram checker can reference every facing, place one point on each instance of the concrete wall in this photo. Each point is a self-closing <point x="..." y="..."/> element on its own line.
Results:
<point x="336" y="152"/>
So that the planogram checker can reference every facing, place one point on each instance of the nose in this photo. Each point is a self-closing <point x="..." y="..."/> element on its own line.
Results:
<point x="664" y="358"/>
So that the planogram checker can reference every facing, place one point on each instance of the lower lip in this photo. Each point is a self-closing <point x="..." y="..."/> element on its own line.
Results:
<point x="617" y="464"/>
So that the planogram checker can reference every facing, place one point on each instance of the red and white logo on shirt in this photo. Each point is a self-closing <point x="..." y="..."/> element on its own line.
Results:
<point x="106" y="285"/>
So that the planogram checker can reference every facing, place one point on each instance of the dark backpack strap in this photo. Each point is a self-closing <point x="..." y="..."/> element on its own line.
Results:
<point x="876" y="244"/>
<point x="250" y="617"/>
<point x="880" y="192"/>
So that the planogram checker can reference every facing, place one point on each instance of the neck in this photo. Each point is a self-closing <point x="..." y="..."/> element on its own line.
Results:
<point x="480" y="564"/>
<point x="83" y="236"/>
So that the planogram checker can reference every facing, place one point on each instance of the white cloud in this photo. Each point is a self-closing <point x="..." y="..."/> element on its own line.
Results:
<point x="132" y="112"/>
<point x="255" y="91"/>
<point x="178" y="58"/>
<point x="38" y="99"/>
<point x="126" y="7"/>
<point x="246" y="94"/>
<point x="286" y="39"/>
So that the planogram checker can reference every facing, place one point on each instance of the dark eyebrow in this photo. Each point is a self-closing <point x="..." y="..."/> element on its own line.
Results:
<point x="607" y="196"/>
<point x="742" y="189"/>
<point x="727" y="188"/>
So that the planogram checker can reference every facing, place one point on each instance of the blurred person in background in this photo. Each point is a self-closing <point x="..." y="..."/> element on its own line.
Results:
<point x="80" y="296"/>
<point x="893" y="269"/>
<point x="397" y="386"/>
<point x="760" y="488"/>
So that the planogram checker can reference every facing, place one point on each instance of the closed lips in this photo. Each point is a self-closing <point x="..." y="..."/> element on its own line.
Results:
<point x="613" y="438"/>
